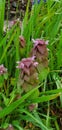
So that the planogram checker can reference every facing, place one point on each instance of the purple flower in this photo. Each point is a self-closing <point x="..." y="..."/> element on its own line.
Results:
<point x="39" y="41"/>
<point x="40" y="51"/>
<point x="40" y="45"/>
<point x="28" y="73"/>
<point x="26" y="63"/>
<point x="2" y="69"/>
<point x="22" y="41"/>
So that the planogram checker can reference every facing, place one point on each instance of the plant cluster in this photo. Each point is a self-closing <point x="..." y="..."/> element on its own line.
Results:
<point x="31" y="68"/>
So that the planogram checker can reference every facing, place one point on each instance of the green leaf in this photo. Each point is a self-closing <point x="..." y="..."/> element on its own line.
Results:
<point x="15" y="104"/>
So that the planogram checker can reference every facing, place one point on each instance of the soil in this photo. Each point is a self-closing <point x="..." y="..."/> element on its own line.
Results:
<point x="16" y="9"/>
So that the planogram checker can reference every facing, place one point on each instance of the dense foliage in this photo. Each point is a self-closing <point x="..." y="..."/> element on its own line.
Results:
<point x="31" y="68"/>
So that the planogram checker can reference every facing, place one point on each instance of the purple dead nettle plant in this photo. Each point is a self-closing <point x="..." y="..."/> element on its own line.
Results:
<point x="40" y="51"/>
<point x="29" y="75"/>
<point x="22" y="46"/>
<point x="22" y="41"/>
<point x="29" y="67"/>
<point x="3" y="70"/>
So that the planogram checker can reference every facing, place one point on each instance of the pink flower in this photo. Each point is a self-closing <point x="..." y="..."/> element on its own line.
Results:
<point x="26" y="63"/>
<point x="39" y="41"/>
<point x="40" y="45"/>
<point x="28" y="69"/>
<point x="2" y="69"/>
<point x="40" y="51"/>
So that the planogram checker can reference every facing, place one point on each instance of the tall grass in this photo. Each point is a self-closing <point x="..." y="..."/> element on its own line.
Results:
<point x="44" y="22"/>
